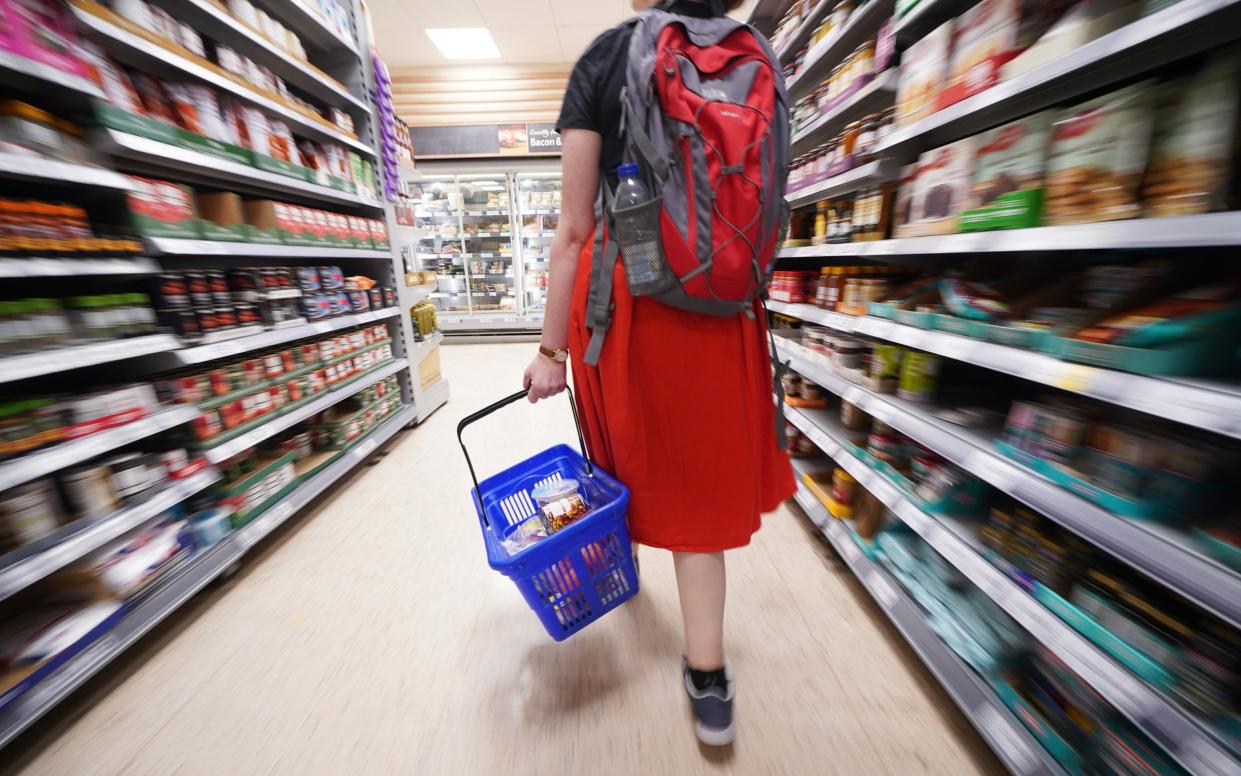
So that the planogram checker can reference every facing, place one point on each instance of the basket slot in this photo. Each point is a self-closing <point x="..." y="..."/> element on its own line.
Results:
<point x="520" y="506"/>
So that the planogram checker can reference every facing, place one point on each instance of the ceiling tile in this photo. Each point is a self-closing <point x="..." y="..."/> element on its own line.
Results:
<point x="499" y="14"/>
<point x="394" y="29"/>
<point x="527" y="44"/>
<point x="439" y="13"/>
<point x="600" y="14"/>
<point x="575" y="39"/>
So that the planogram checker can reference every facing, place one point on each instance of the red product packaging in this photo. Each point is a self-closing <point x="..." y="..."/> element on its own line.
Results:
<point x="360" y="231"/>
<point x="379" y="233"/>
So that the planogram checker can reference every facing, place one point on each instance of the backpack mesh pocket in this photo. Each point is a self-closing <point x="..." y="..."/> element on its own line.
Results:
<point x="637" y="233"/>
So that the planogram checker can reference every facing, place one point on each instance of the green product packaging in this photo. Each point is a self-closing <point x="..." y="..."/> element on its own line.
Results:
<point x="123" y="121"/>
<point x="919" y="376"/>
<point x="213" y="147"/>
<point x="1008" y="175"/>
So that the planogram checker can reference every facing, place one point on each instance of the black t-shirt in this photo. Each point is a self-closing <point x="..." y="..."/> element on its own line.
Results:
<point x="592" y="99"/>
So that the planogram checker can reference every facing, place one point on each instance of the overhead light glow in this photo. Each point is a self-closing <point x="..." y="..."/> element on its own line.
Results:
<point x="464" y="42"/>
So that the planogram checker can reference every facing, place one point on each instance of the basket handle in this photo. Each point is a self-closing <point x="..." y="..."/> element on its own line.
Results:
<point x="507" y="400"/>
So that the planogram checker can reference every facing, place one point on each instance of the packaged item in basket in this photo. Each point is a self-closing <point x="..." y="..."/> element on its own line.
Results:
<point x="1194" y="164"/>
<point x="1097" y="157"/>
<point x="923" y="71"/>
<point x="560" y="503"/>
<point x="1009" y="163"/>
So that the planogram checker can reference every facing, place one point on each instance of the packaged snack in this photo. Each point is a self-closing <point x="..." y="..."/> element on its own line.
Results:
<point x="161" y="209"/>
<point x="1194" y="160"/>
<point x="111" y="78"/>
<point x="1009" y="163"/>
<point x="280" y="142"/>
<point x="923" y="71"/>
<point x="943" y="189"/>
<point x="1097" y="157"/>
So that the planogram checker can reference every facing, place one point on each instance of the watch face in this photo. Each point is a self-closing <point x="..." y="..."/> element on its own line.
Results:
<point x="562" y="356"/>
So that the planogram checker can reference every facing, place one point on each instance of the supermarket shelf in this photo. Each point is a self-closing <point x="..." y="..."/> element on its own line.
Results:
<point x="1002" y="731"/>
<point x="1158" y="717"/>
<point x="46" y="362"/>
<point x="411" y="295"/>
<point x="183" y="583"/>
<point x="422" y="349"/>
<point x="432" y="399"/>
<point x="765" y="14"/>
<point x="77" y="540"/>
<point x="505" y="320"/>
<point x="187" y="163"/>
<point x="926" y="16"/>
<point x="30" y="466"/>
<point x="879" y="171"/>
<point x="218" y="24"/>
<point x="226" y="450"/>
<point x="158" y="59"/>
<point x="170" y="246"/>
<point x="876" y="95"/>
<point x="863" y="24"/>
<point x="1174" y="33"/>
<point x="205" y="353"/>
<point x="1200" y="231"/>
<point x="22" y="72"/>
<point x="804" y="31"/>
<point x="47" y="267"/>
<point x="41" y="169"/>
<point x="1160" y="553"/>
<point x="310" y="26"/>
<point x="1209" y="405"/>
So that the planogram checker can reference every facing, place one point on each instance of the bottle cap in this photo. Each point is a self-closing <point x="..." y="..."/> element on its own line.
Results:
<point x="627" y="169"/>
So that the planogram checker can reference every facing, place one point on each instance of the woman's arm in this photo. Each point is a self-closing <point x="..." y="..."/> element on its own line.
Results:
<point x="580" y="162"/>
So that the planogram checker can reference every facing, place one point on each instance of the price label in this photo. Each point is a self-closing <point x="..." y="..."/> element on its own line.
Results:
<point x="365" y="448"/>
<point x="1075" y="378"/>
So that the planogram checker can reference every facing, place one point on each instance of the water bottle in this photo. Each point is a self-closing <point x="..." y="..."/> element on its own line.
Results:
<point x="636" y="216"/>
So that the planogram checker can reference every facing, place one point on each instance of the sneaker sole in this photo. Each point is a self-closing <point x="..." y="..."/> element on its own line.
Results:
<point x="715" y="736"/>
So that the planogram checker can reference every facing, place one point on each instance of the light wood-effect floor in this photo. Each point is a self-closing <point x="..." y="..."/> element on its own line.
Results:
<point x="371" y="638"/>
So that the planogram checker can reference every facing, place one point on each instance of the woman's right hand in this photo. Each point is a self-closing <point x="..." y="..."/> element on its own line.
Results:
<point x="544" y="377"/>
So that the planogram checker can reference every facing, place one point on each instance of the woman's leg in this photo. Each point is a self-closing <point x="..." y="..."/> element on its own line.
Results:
<point x="700" y="583"/>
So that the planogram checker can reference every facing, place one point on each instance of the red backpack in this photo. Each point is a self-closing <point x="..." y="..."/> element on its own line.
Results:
<point x="705" y="117"/>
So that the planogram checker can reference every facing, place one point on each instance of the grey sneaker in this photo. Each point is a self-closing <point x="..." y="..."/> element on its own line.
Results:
<point x="713" y="708"/>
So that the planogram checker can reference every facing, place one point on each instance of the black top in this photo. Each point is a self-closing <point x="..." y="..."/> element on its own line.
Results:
<point x="592" y="99"/>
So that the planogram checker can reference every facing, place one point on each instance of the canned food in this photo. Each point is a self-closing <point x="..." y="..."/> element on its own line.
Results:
<point x="200" y="289"/>
<point x="226" y="317"/>
<point x="207" y="320"/>
<point x="27" y="514"/>
<point x="248" y="315"/>
<point x="218" y="284"/>
<point x="88" y="492"/>
<point x="172" y="291"/>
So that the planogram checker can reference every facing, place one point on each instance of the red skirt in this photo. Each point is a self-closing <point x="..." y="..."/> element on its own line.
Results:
<point x="680" y="410"/>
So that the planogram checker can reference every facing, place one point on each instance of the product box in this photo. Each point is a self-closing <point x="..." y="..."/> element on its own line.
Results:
<point x="943" y="189"/>
<point x="213" y="147"/>
<point x="923" y="72"/>
<point x="281" y="167"/>
<point x="1084" y="22"/>
<point x="267" y="222"/>
<point x="221" y="215"/>
<point x="1097" y="157"/>
<point x="1009" y="164"/>
<point x="1195" y="161"/>
<point x="112" y="117"/>
<point x="161" y="209"/>
<point x="379" y="234"/>
<point x="359" y="232"/>
<point x="41" y="30"/>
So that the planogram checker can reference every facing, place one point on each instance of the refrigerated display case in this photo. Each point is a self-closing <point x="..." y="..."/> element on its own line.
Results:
<point x="464" y="232"/>
<point x="538" y="203"/>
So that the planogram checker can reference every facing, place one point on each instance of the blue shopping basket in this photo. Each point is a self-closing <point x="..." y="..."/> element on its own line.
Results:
<point x="581" y="572"/>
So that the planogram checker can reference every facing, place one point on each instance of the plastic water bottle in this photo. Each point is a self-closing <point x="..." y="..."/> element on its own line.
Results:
<point x="636" y="215"/>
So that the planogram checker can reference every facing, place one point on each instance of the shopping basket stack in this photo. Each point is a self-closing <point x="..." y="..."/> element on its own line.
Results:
<point x="577" y="574"/>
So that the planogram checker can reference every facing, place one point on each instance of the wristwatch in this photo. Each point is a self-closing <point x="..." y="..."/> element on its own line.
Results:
<point x="559" y="356"/>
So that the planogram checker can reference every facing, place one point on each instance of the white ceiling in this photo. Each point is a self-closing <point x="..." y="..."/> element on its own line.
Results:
<point x="526" y="31"/>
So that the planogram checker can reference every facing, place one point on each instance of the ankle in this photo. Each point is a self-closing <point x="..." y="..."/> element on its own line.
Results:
<point x="706" y="679"/>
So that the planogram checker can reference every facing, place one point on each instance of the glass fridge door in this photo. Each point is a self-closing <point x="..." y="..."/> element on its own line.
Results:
<point x="538" y="199"/>
<point x="439" y="246"/>
<point x="486" y="234"/>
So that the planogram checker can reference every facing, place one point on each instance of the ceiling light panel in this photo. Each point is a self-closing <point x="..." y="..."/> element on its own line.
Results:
<point x="474" y="43"/>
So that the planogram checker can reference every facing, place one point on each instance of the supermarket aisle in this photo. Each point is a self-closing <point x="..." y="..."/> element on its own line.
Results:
<point x="374" y="639"/>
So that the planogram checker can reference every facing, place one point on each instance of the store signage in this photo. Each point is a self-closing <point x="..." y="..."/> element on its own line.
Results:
<point x="543" y="138"/>
<point x="486" y="140"/>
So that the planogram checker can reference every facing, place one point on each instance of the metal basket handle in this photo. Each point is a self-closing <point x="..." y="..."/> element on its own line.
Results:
<point x="507" y="400"/>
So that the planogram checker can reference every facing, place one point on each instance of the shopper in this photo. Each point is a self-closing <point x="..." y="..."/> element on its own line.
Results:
<point x="679" y="406"/>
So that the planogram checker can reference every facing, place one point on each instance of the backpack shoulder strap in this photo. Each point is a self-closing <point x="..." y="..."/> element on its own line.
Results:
<point x="599" y="298"/>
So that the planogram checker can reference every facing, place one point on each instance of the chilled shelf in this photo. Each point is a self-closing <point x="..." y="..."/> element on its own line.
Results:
<point x="1199" y="231"/>
<point x="1173" y="33"/>
<point x="46" y="362"/>
<point x="1211" y="405"/>
<point x="862" y="25"/>
<point x="880" y="93"/>
<point x="872" y="173"/>
<point x="30" y="466"/>
<point x="287" y="420"/>
<point x="1158" y="552"/>
<point x="128" y="46"/>
<point x="41" y="169"/>
<point x="204" y="353"/>
<point x="23" y="567"/>
<point x="171" y="246"/>
<point x="194" y="166"/>
<point x="184" y="582"/>
<point x="1002" y="731"/>
<point x="1166" y="724"/>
